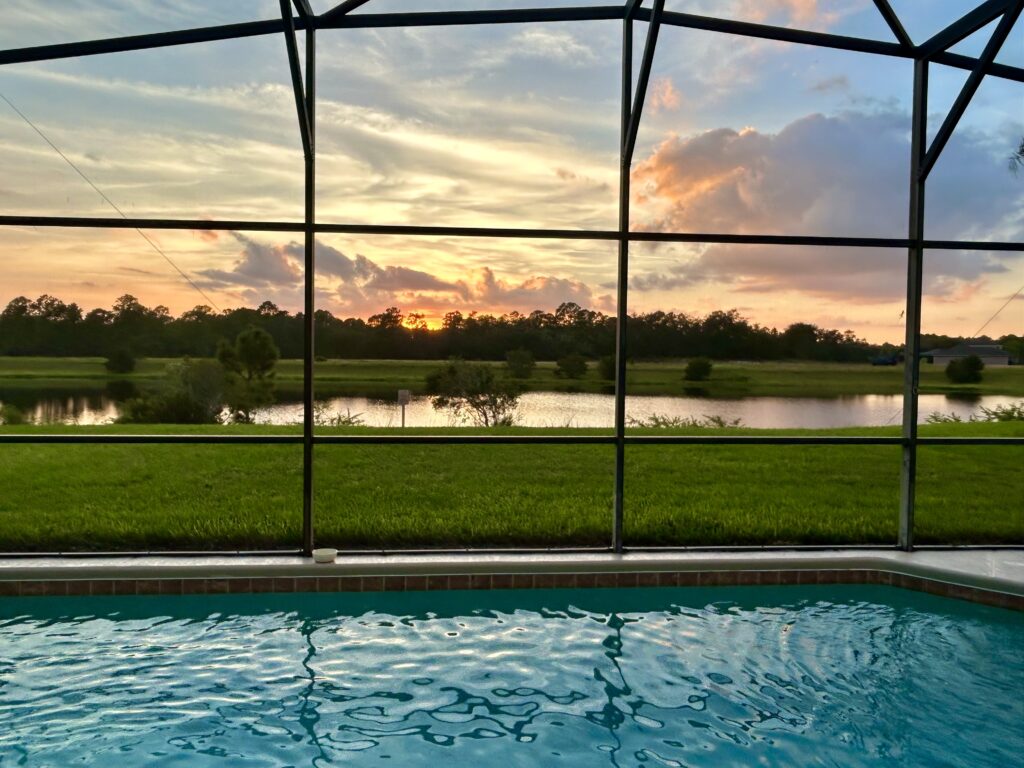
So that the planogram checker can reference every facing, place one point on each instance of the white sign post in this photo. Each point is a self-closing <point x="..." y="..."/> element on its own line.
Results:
<point x="404" y="398"/>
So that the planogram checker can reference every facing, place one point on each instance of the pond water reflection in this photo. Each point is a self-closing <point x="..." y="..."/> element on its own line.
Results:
<point x="546" y="409"/>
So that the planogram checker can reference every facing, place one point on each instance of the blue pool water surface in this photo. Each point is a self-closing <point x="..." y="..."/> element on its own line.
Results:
<point x="790" y="676"/>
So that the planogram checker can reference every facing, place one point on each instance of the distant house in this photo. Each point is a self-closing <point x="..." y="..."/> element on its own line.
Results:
<point x="990" y="354"/>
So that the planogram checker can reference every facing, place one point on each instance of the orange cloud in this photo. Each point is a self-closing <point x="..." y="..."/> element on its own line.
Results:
<point x="798" y="12"/>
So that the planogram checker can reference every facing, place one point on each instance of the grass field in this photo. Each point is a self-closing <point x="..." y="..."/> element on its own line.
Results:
<point x="96" y="497"/>
<point x="384" y="377"/>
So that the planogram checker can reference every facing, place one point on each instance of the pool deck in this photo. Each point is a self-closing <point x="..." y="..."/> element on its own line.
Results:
<point x="993" y="576"/>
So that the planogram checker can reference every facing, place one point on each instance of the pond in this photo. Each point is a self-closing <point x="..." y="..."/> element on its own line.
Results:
<point x="557" y="409"/>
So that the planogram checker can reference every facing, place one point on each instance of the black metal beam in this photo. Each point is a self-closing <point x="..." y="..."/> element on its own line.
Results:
<point x="301" y="106"/>
<point x="411" y="230"/>
<point x="143" y="42"/>
<point x="440" y="231"/>
<point x="342" y="8"/>
<point x="414" y="439"/>
<point x="643" y="78"/>
<point x="100" y="438"/>
<point x="596" y="13"/>
<point x="309" y="300"/>
<point x="622" y="286"/>
<point x="103" y="222"/>
<point x="894" y="23"/>
<point x="304" y="9"/>
<point x="958" y="60"/>
<point x="970" y="87"/>
<point x="462" y="18"/>
<point x="915" y="271"/>
<point x="963" y="27"/>
<point x="782" y="34"/>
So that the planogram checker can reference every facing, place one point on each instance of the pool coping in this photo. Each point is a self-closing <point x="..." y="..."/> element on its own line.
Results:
<point x="993" y="577"/>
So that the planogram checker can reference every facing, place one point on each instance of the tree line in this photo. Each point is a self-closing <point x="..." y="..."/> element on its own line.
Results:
<point x="48" y="326"/>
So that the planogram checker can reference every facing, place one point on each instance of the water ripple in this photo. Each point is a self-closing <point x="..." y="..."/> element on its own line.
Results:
<point x="851" y="676"/>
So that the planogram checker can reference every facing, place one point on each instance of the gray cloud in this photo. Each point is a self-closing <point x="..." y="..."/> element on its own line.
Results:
<point x="361" y="286"/>
<point x="843" y="175"/>
<point x="259" y="264"/>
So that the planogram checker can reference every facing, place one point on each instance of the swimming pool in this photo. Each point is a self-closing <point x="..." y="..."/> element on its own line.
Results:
<point x="792" y="676"/>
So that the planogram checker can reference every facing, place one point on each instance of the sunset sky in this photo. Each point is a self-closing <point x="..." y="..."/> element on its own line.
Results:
<point x="514" y="125"/>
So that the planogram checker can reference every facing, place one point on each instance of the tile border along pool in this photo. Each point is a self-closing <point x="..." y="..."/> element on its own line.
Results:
<point x="992" y="577"/>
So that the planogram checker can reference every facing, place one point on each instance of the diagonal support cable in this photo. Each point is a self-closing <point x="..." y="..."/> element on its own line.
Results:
<point x="894" y="23"/>
<point x="963" y="27"/>
<point x="945" y="131"/>
<point x="304" y="9"/>
<point x="342" y="8"/>
<point x="641" y="85"/>
<point x="301" y="107"/>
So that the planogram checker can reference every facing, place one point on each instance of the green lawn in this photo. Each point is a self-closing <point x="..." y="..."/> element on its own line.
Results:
<point x="384" y="377"/>
<point x="96" y="497"/>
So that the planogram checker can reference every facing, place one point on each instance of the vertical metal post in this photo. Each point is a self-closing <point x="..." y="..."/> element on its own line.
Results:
<point x="623" y="285"/>
<point x="915" y="269"/>
<point x="310" y="299"/>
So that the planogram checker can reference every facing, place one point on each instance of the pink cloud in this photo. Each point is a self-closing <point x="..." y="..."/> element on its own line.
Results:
<point x="665" y="97"/>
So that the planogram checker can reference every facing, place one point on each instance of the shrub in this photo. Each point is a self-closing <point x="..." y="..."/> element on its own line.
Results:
<point x="249" y="366"/>
<point x="606" y="367"/>
<point x="11" y="415"/>
<point x="965" y="370"/>
<point x="572" y="366"/>
<point x="1009" y="412"/>
<point x="474" y="392"/>
<point x="193" y="394"/>
<point x="660" y="421"/>
<point x="120" y="361"/>
<point x="698" y="369"/>
<point x="520" y="363"/>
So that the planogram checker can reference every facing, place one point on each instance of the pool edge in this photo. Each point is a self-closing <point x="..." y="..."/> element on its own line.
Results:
<point x="991" y="577"/>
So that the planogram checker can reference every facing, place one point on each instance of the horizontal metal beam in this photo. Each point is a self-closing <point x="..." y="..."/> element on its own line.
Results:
<point x="99" y="438"/>
<point x="498" y="232"/>
<point x="718" y="237"/>
<point x="595" y="13"/>
<point x="342" y="8"/>
<point x="79" y="554"/>
<point x="145" y="42"/>
<point x="963" y="27"/>
<point x="104" y="222"/>
<point x="478" y="439"/>
<point x="958" y="60"/>
<point x="894" y="23"/>
<point x="969" y="245"/>
<point x="825" y="40"/>
<point x="782" y="34"/>
<point x="762" y="440"/>
<point x="969" y="441"/>
<point x="462" y="18"/>
<point x="411" y="230"/>
<point x="407" y="439"/>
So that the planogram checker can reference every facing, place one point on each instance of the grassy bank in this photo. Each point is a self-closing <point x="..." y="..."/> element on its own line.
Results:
<point x="384" y="377"/>
<point x="63" y="497"/>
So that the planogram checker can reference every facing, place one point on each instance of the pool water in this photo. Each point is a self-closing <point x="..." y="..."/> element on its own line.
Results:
<point x="789" y="676"/>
